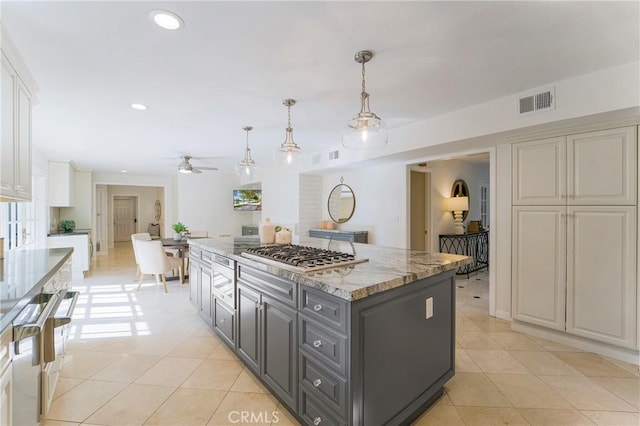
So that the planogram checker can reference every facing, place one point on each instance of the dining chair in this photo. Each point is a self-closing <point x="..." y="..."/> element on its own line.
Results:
<point x="154" y="261"/>
<point x="143" y="236"/>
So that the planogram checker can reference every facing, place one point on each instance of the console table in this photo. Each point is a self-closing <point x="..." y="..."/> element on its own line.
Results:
<point x="475" y="245"/>
<point x="335" y="234"/>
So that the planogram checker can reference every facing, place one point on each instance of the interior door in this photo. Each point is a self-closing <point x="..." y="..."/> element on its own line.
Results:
<point x="123" y="218"/>
<point x="419" y="199"/>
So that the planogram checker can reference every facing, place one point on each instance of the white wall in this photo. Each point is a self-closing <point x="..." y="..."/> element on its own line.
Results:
<point x="381" y="202"/>
<point x="443" y="174"/>
<point x="205" y="203"/>
<point x="81" y="212"/>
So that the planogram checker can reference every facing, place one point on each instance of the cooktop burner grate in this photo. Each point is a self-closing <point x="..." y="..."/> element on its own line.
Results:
<point x="302" y="258"/>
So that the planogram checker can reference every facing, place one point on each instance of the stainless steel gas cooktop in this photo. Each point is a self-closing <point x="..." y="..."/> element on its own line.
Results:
<point x="300" y="258"/>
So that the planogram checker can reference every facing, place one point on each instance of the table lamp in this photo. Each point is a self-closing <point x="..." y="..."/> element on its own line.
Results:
<point x="457" y="205"/>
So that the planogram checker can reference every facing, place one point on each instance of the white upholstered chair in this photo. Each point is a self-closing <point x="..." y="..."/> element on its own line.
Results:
<point x="154" y="261"/>
<point x="144" y="236"/>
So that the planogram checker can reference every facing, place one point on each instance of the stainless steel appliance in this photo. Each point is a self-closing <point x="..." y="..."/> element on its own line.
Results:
<point x="300" y="258"/>
<point x="224" y="280"/>
<point x="27" y="358"/>
<point x="38" y="349"/>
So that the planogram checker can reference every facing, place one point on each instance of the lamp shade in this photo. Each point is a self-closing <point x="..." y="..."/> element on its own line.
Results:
<point x="458" y="204"/>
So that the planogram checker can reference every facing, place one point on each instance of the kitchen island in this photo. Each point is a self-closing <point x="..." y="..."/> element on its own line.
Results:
<point x="362" y="344"/>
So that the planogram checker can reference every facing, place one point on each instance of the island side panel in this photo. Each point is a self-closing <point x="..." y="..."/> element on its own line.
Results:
<point x="400" y="359"/>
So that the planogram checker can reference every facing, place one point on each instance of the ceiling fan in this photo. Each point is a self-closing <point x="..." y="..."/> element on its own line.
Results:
<point x="186" y="167"/>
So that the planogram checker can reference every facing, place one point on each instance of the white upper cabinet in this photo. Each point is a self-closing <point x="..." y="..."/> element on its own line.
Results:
<point x="602" y="167"/>
<point x="15" y="157"/>
<point x="539" y="172"/>
<point x="62" y="184"/>
<point x="594" y="168"/>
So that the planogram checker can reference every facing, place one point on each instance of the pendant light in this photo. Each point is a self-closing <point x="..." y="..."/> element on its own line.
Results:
<point x="365" y="130"/>
<point x="289" y="147"/>
<point x="247" y="166"/>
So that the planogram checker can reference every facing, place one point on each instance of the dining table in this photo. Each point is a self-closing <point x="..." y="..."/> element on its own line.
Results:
<point x="181" y="246"/>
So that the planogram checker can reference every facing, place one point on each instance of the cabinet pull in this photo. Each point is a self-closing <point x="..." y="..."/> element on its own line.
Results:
<point x="317" y="343"/>
<point x="257" y="305"/>
<point x="317" y="382"/>
<point x="317" y="307"/>
<point x="317" y="421"/>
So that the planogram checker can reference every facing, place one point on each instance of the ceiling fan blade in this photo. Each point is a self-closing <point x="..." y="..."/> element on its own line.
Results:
<point x="196" y="171"/>
<point x="208" y="168"/>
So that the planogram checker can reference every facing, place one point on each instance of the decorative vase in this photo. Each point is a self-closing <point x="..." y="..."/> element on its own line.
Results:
<point x="267" y="232"/>
<point x="283" y="236"/>
<point x="177" y="236"/>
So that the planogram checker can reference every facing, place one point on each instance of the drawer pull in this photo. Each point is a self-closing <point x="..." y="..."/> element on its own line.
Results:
<point x="317" y="343"/>
<point x="317" y="307"/>
<point x="317" y="421"/>
<point x="317" y="382"/>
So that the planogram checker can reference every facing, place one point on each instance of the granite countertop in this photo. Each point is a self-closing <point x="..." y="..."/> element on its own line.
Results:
<point x="386" y="268"/>
<point x="339" y="231"/>
<point x="22" y="275"/>
<point x="66" y="234"/>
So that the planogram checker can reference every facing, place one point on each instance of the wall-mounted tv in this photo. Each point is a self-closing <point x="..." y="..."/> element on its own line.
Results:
<point x="247" y="199"/>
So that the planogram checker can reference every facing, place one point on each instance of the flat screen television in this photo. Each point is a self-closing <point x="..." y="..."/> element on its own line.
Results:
<point x="247" y="199"/>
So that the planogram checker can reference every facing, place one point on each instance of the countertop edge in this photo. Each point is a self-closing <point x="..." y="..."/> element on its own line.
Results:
<point x="307" y="279"/>
<point x="7" y="318"/>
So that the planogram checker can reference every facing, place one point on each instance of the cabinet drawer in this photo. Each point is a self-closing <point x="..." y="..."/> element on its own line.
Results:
<point x="223" y="321"/>
<point x="314" y="412"/>
<point x="324" y="344"/>
<point x="206" y="257"/>
<point x="323" y="384"/>
<point x="194" y="252"/>
<point x="324" y="308"/>
<point x="283" y="290"/>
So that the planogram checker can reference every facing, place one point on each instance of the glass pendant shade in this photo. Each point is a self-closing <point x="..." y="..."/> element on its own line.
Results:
<point x="288" y="148"/>
<point x="246" y="167"/>
<point x="365" y="130"/>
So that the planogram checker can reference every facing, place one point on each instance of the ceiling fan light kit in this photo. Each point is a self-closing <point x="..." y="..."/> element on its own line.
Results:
<point x="365" y="130"/>
<point x="186" y="167"/>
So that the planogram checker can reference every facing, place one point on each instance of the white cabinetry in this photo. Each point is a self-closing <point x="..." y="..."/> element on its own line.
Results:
<point x="15" y="155"/>
<point x="61" y="184"/>
<point x="80" y="258"/>
<point x="574" y="235"/>
<point x="6" y="378"/>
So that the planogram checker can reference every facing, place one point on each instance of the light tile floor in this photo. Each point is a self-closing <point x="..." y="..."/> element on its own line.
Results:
<point x="145" y="357"/>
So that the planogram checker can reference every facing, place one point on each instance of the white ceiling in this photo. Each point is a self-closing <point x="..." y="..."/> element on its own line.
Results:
<point x="234" y="62"/>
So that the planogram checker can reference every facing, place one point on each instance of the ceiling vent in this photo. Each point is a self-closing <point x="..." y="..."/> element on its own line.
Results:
<point x="542" y="99"/>
<point x="334" y="155"/>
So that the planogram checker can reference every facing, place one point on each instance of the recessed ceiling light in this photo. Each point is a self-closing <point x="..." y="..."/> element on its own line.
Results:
<point x="167" y="20"/>
<point x="123" y="171"/>
<point x="139" y="107"/>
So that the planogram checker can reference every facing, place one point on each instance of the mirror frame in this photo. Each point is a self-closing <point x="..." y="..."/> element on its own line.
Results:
<point x="338" y="187"/>
<point x="461" y="189"/>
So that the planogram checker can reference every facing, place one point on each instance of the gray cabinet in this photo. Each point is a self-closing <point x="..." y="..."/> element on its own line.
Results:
<point x="200" y="285"/>
<point x="330" y="234"/>
<point x="267" y="330"/>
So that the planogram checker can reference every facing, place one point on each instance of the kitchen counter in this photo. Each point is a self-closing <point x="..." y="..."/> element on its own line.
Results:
<point x="22" y="275"/>
<point x="66" y="234"/>
<point x="385" y="269"/>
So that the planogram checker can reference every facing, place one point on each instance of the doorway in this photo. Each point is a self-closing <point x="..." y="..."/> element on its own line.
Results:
<point x="420" y="185"/>
<point x="124" y="218"/>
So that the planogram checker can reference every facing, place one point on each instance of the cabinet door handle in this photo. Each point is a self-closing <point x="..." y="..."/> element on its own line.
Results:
<point x="317" y="307"/>
<point x="257" y="305"/>
<point x="317" y="421"/>
<point x="317" y="382"/>
<point x="317" y="343"/>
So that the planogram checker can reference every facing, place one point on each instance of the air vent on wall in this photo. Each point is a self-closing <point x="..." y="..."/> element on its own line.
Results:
<point x="542" y="99"/>
<point x="334" y="155"/>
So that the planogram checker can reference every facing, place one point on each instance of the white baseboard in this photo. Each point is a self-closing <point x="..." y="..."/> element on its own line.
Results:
<point x="505" y="315"/>
<point x="626" y="355"/>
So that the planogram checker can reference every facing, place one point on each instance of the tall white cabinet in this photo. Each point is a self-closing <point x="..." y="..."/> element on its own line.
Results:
<point x="575" y="235"/>
<point x="17" y="89"/>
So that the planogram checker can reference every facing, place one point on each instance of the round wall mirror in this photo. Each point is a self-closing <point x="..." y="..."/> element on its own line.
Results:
<point x="460" y="189"/>
<point x="341" y="203"/>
